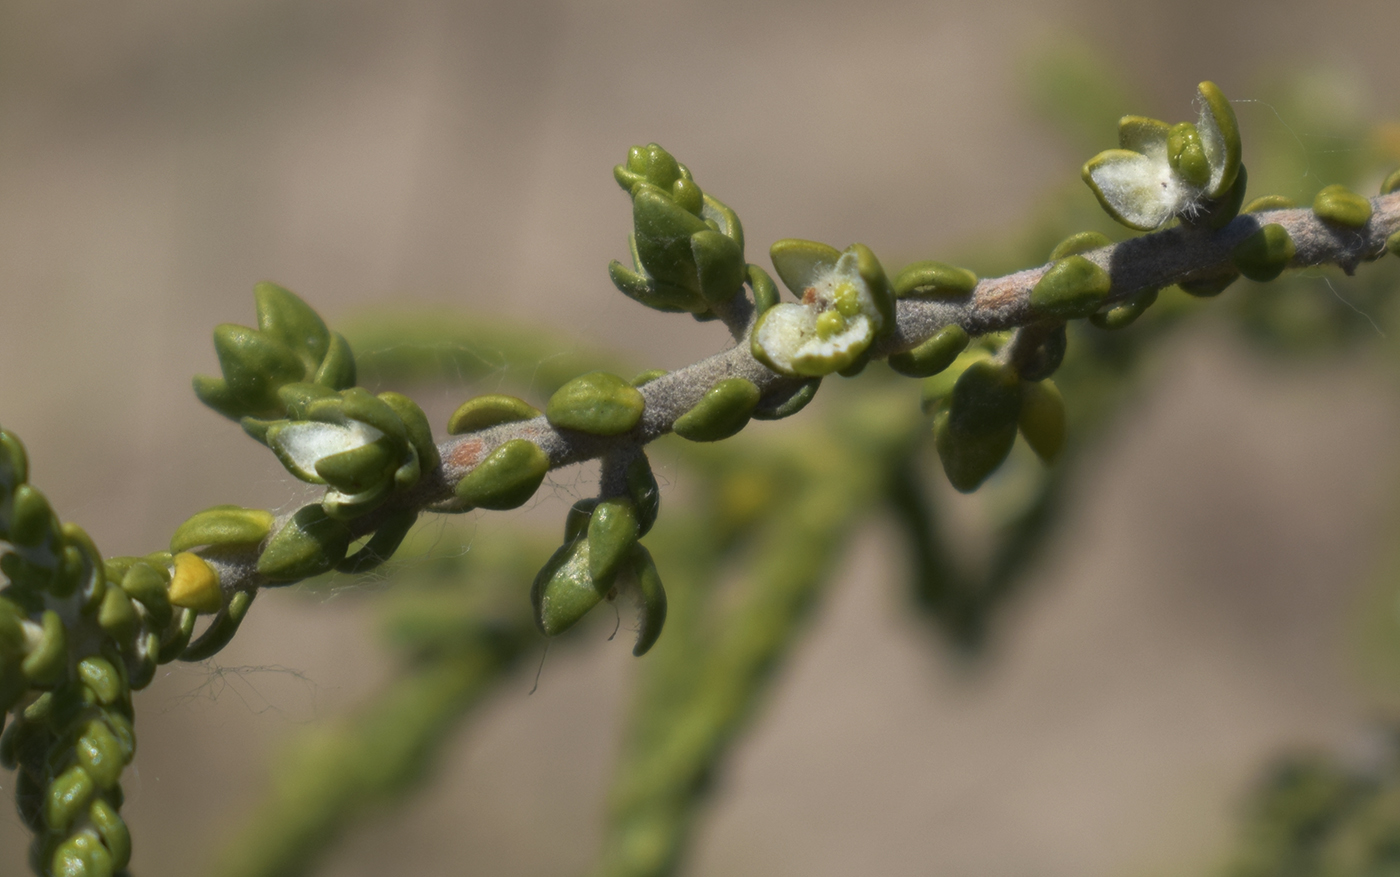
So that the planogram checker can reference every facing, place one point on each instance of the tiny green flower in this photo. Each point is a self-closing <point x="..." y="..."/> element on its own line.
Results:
<point x="846" y="303"/>
<point x="1163" y="171"/>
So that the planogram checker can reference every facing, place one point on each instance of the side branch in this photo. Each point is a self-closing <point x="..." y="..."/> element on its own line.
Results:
<point x="1152" y="261"/>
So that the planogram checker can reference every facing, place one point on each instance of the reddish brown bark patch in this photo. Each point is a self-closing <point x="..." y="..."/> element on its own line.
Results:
<point x="466" y="455"/>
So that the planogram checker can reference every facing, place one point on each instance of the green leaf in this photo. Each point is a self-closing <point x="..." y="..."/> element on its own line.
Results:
<point x="718" y="212"/>
<point x="416" y="426"/>
<point x="801" y="263"/>
<point x="222" y="629"/>
<point x="613" y="529"/>
<point x="931" y="279"/>
<point x="599" y="403"/>
<point x="1042" y="419"/>
<point x="719" y="265"/>
<point x="284" y="317"/>
<point x="382" y="545"/>
<point x="986" y="400"/>
<point x="1082" y="242"/>
<point x="47" y="663"/>
<point x="1073" y="287"/>
<point x="564" y="591"/>
<point x="645" y="494"/>
<point x="490" y="410"/>
<point x="968" y="460"/>
<point x="787" y="400"/>
<point x="254" y="366"/>
<point x="337" y="369"/>
<point x="932" y="356"/>
<point x="507" y="478"/>
<point x="1220" y="138"/>
<point x="723" y="411"/>
<point x="307" y="545"/>
<point x="1339" y="205"/>
<point x="221" y="525"/>
<point x="1125" y="312"/>
<point x="1263" y="255"/>
<point x="651" y="598"/>
<point x="360" y="469"/>
<point x="1142" y="134"/>
<point x="663" y="230"/>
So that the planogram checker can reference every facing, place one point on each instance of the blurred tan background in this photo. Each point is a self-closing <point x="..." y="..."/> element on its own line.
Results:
<point x="157" y="158"/>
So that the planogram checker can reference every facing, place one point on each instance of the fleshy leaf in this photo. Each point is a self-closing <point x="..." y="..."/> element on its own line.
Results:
<point x="800" y="263"/>
<point x="1144" y="135"/>
<point x="1137" y="190"/>
<point x="300" y="445"/>
<point x="1220" y="135"/>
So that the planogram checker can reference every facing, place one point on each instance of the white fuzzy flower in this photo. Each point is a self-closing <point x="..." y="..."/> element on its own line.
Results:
<point x="1164" y="170"/>
<point x="845" y="303"/>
